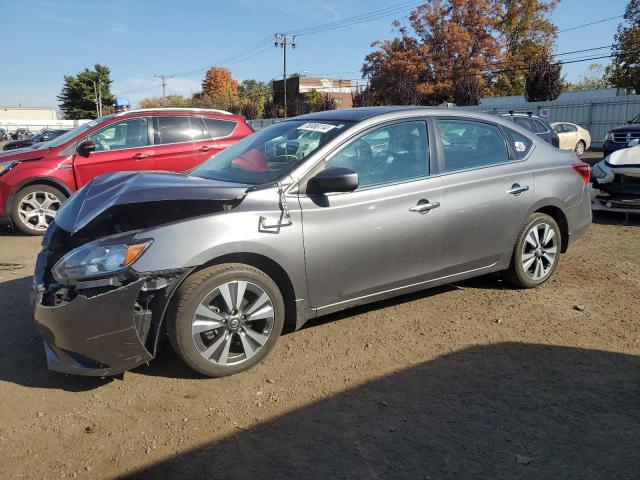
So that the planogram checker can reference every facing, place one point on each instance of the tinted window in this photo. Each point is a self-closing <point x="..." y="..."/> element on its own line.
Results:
<point x="558" y="128"/>
<point x="130" y="133"/>
<point x="528" y="123"/>
<point x="219" y="128"/>
<point x="570" y="128"/>
<point x="470" y="144"/>
<point x="540" y="127"/>
<point x="177" y="130"/>
<point x="521" y="144"/>
<point x="388" y="154"/>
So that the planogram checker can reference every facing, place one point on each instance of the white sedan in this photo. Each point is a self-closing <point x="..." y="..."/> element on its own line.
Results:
<point x="616" y="181"/>
<point x="572" y="137"/>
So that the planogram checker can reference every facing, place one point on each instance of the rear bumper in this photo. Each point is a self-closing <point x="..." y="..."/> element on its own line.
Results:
<point x="579" y="218"/>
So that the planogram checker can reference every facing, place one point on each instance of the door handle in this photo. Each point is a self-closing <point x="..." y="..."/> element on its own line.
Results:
<point x="424" y="206"/>
<point x="517" y="189"/>
<point x="206" y="148"/>
<point x="140" y="156"/>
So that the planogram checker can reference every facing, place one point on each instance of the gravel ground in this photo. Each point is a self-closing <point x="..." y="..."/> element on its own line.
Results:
<point x="474" y="380"/>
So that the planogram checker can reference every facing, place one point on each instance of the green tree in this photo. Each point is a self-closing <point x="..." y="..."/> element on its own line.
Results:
<point x="543" y="81"/>
<point x="595" y="77"/>
<point x="527" y="33"/>
<point x="624" y="71"/>
<point x="253" y="97"/>
<point x="78" y="94"/>
<point x="169" y="101"/>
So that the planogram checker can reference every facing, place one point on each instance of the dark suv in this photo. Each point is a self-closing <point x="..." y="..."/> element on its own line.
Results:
<point x="620" y="137"/>
<point x="535" y="124"/>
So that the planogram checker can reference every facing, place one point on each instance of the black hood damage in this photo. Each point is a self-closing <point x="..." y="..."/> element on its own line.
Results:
<point x="125" y="201"/>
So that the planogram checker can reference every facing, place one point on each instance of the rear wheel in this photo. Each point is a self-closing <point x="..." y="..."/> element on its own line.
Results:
<point x="536" y="253"/>
<point x="580" y="147"/>
<point x="35" y="207"/>
<point x="225" y="319"/>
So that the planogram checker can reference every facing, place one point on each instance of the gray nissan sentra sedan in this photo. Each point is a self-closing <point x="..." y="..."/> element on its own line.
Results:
<point x="310" y="216"/>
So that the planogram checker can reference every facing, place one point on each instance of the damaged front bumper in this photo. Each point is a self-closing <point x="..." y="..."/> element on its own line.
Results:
<point x="101" y="333"/>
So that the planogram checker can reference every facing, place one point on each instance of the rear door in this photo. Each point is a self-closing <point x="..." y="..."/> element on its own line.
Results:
<point x="217" y="134"/>
<point x="175" y="138"/>
<point x="487" y="189"/>
<point x="122" y="145"/>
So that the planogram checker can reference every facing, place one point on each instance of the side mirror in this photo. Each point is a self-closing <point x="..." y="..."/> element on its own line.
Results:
<point x="331" y="180"/>
<point x="85" y="148"/>
<point x="635" y="142"/>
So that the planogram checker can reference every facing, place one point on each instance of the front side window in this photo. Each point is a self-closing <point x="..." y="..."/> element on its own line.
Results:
<point x="129" y="133"/>
<point x="176" y="130"/>
<point x="270" y="153"/>
<point x="570" y="128"/>
<point x="558" y="128"/>
<point x="471" y="144"/>
<point x="391" y="153"/>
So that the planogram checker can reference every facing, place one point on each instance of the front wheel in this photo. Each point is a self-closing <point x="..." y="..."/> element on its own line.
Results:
<point x="225" y="319"/>
<point x="35" y="207"/>
<point x="536" y="253"/>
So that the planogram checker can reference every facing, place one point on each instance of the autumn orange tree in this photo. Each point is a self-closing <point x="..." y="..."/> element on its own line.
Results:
<point x="460" y="50"/>
<point x="219" y="90"/>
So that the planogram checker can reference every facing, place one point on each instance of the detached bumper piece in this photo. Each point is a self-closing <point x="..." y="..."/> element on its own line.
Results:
<point x="94" y="336"/>
<point x="620" y="195"/>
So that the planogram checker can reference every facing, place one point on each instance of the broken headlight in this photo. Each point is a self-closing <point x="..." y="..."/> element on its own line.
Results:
<point x="98" y="259"/>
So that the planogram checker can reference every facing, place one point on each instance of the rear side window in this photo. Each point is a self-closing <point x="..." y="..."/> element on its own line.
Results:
<point x="521" y="144"/>
<point x="176" y="130"/>
<point x="570" y="128"/>
<point x="558" y="128"/>
<point x="471" y="144"/>
<point x="219" y="128"/>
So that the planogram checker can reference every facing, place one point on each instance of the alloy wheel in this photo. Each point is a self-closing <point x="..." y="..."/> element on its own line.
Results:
<point x="38" y="209"/>
<point x="233" y="323"/>
<point x="580" y="148"/>
<point x="539" y="251"/>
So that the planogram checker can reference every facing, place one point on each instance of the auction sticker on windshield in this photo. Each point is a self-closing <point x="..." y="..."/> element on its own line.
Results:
<point x="317" y="127"/>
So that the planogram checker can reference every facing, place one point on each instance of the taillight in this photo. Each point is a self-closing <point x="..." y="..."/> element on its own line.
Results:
<point x="582" y="169"/>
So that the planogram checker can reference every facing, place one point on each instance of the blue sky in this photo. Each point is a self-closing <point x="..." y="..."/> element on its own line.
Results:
<point x="42" y="40"/>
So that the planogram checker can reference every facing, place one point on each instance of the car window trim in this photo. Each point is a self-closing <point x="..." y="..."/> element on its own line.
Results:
<point x="299" y="187"/>
<point x="221" y="120"/>
<point x="511" y="153"/>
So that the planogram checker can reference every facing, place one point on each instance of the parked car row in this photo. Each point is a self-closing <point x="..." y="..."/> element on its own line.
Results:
<point x="43" y="136"/>
<point x="35" y="181"/>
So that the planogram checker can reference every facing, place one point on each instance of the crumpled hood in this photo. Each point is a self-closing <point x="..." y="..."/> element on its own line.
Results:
<point x="23" y="154"/>
<point x="121" y="188"/>
<point x="626" y="157"/>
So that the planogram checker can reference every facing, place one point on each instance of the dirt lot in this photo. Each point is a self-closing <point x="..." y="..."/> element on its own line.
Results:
<point x="473" y="380"/>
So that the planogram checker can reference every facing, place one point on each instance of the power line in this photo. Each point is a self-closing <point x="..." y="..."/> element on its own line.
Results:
<point x="282" y="40"/>
<point x="589" y="24"/>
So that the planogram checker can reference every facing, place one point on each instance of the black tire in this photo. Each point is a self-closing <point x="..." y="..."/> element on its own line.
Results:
<point x="516" y="273"/>
<point x="39" y="190"/>
<point x="580" y="146"/>
<point x="188" y="298"/>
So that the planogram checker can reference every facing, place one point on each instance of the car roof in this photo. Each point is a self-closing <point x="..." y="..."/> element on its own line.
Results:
<point x="364" y="113"/>
<point x="170" y="110"/>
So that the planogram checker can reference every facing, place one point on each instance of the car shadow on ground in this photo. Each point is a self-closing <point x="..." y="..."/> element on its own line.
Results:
<point x="508" y="410"/>
<point x="631" y="219"/>
<point x="22" y="359"/>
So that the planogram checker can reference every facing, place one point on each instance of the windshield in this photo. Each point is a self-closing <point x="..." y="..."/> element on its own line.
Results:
<point x="270" y="153"/>
<point x="65" y="137"/>
<point x="635" y="120"/>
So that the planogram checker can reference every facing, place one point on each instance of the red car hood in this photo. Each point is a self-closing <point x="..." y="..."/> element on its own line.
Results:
<point x="23" y="154"/>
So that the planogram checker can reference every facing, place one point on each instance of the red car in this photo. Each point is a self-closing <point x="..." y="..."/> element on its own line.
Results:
<point x="35" y="181"/>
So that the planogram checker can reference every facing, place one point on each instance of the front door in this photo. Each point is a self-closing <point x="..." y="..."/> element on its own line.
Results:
<point x="486" y="191"/>
<point x="120" y="146"/>
<point x="389" y="232"/>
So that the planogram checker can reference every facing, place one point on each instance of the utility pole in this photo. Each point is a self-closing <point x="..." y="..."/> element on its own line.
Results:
<point x="163" y="79"/>
<point x="282" y="40"/>
<point x="95" y="98"/>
